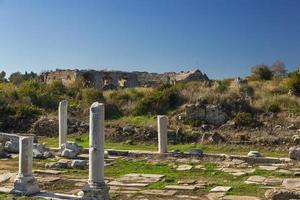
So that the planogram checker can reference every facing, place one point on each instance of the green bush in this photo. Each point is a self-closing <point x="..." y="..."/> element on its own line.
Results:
<point x="273" y="107"/>
<point x="223" y="85"/>
<point x="243" y="119"/>
<point x="112" y="111"/>
<point x="261" y="72"/>
<point x="294" y="109"/>
<point x="293" y="83"/>
<point x="91" y="95"/>
<point x="158" y="102"/>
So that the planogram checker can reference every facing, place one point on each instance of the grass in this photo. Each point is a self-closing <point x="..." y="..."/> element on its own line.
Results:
<point x="211" y="175"/>
<point x="8" y="196"/>
<point x="145" y="120"/>
<point x="227" y="149"/>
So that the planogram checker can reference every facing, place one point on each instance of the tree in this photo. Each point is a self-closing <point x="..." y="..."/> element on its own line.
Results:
<point x="261" y="72"/>
<point x="16" y="78"/>
<point x="2" y="77"/>
<point x="278" y="68"/>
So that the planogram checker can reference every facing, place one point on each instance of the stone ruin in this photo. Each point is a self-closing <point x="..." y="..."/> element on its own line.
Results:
<point x="97" y="187"/>
<point x="119" y="79"/>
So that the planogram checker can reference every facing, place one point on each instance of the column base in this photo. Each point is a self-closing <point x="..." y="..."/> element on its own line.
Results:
<point x="94" y="192"/>
<point x="25" y="186"/>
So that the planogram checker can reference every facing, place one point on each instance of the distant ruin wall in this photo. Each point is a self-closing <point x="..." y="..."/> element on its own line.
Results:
<point x="115" y="79"/>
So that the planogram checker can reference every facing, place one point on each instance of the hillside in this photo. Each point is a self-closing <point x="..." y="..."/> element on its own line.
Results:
<point x="250" y="111"/>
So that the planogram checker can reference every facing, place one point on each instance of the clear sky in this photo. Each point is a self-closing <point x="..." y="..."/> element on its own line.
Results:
<point x="223" y="38"/>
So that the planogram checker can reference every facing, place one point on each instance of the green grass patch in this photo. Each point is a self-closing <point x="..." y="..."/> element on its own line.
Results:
<point x="224" y="148"/>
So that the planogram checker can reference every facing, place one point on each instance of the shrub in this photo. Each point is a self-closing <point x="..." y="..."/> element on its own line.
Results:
<point x="222" y="86"/>
<point x="57" y="88"/>
<point x="261" y="72"/>
<point x="273" y="107"/>
<point x="112" y="111"/>
<point x="293" y="83"/>
<point x="243" y="119"/>
<point x="294" y="109"/>
<point x="92" y="95"/>
<point x="158" y="102"/>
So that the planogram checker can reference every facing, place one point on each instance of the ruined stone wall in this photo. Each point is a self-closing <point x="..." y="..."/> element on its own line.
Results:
<point x="67" y="77"/>
<point x="114" y="79"/>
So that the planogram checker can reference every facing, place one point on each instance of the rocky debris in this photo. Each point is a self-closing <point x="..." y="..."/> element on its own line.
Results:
<point x="254" y="154"/>
<point x="196" y="153"/>
<point x="11" y="146"/>
<point x="129" y="129"/>
<point x="70" y="150"/>
<point x="206" y="127"/>
<point x="211" y="114"/>
<point x="3" y="153"/>
<point x="281" y="194"/>
<point x="215" y="114"/>
<point x="294" y="153"/>
<point x="212" y="138"/>
<point x="61" y="164"/>
<point x="296" y="139"/>
<point x="41" y="151"/>
<point x="292" y="127"/>
<point x="45" y="127"/>
<point x="79" y="164"/>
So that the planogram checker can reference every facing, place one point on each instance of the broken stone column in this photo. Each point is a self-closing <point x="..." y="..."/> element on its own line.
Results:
<point x="96" y="187"/>
<point x="25" y="183"/>
<point x="63" y="122"/>
<point x="162" y="125"/>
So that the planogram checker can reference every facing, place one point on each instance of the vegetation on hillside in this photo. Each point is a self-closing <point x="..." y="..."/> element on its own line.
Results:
<point x="25" y="97"/>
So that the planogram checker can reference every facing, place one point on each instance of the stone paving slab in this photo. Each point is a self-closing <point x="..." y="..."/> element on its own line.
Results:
<point x="6" y="177"/>
<point x="49" y="171"/>
<point x="220" y="189"/>
<point x="140" y="178"/>
<point x="273" y="181"/>
<point x="184" y="167"/>
<point x="186" y="197"/>
<point x="116" y="188"/>
<point x="235" y="197"/>
<point x="268" y="168"/>
<point x="284" y="171"/>
<point x="159" y="192"/>
<point x="291" y="183"/>
<point x="215" y="195"/>
<point x="118" y="183"/>
<point x="255" y="180"/>
<point x="55" y="196"/>
<point x="180" y="187"/>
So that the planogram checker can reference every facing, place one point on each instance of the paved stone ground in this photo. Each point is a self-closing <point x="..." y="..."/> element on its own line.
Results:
<point x="196" y="179"/>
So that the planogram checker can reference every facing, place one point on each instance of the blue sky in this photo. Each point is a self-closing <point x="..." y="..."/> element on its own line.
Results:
<point x="223" y="38"/>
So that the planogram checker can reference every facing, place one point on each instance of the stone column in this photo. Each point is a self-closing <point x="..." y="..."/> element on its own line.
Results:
<point x="162" y="126"/>
<point x="96" y="187"/>
<point x="25" y="183"/>
<point x="63" y="122"/>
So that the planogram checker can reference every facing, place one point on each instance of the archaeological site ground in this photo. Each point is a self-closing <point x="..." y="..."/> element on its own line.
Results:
<point x="99" y="135"/>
